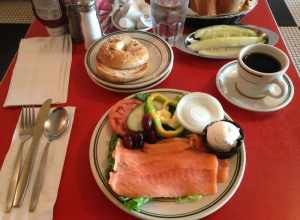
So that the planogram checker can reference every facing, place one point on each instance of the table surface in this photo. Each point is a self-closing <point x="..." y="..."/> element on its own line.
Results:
<point x="271" y="185"/>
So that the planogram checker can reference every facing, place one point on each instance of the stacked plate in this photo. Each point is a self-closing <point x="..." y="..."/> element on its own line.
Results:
<point x="160" y="63"/>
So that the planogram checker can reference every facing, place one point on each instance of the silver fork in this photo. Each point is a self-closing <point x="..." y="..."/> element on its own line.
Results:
<point x="25" y="133"/>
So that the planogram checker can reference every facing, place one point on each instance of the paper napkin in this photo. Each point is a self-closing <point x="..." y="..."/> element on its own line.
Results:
<point x="42" y="71"/>
<point x="54" y="167"/>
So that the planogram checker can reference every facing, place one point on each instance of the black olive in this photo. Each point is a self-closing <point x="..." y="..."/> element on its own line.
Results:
<point x="138" y="140"/>
<point x="151" y="137"/>
<point x="127" y="141"/>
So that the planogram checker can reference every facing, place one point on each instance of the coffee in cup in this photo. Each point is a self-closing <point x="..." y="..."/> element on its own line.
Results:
<point x="260" y="68"/>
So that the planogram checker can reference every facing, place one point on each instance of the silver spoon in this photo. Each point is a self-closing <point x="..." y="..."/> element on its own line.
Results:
<point x="54" y="127"/>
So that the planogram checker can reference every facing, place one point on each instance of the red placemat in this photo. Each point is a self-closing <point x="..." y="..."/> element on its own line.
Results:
<point x="270" y="188"/>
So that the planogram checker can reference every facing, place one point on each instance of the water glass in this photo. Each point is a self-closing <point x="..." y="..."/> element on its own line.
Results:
<point x="168" y="18"/>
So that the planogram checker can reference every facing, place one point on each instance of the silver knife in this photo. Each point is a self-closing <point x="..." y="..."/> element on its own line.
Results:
<point x="31" y="154"/>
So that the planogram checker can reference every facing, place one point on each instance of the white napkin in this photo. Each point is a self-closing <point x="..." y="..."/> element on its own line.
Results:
<point x="42" y="71"/>
<point x="54" y="167"/>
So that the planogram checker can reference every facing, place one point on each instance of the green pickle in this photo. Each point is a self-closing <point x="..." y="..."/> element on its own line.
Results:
<point x="224" y="40"/>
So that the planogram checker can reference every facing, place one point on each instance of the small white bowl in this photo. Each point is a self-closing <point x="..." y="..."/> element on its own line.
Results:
<point x="196" y="110"/>
<point x="115" y="18"/>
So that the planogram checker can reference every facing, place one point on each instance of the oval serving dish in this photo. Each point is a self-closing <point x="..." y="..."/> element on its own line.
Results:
<point x="182" y="44"/>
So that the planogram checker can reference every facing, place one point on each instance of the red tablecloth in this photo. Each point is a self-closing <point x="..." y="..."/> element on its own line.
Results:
<point x="271" y="185"/>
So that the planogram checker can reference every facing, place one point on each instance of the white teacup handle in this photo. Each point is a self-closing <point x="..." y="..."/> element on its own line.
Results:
<point x="283" y="88"/>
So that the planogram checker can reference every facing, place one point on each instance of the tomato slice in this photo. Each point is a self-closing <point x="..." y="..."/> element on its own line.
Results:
<point x="118" y="115"/>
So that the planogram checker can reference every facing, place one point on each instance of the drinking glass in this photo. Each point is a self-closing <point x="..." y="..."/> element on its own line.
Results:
<point x="168" y="17"/>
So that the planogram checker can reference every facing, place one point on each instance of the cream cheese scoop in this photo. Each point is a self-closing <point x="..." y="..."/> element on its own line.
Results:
<point x="223" y="135"/>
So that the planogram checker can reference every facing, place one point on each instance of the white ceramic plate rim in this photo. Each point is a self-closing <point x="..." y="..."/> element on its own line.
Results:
<point x="232" y="101"/>
<point x="133" y="90"/>
<point x="181" y="43"/>
<point x="98" y="81"/>
<point x="124" y="86"/>
<point x="228" y="193"/>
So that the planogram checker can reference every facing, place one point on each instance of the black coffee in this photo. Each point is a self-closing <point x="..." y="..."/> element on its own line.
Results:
<point x="262" y="62"/>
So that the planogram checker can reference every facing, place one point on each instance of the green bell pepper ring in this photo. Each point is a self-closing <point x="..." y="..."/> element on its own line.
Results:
<point x="162" y="115"/>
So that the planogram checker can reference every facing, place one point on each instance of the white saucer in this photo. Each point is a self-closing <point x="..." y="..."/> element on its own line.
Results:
<point x="226" y="79"/>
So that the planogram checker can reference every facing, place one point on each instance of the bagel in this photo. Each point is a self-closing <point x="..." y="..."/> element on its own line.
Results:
<point x="122" y="53"/>
<point x="120" y="76"/>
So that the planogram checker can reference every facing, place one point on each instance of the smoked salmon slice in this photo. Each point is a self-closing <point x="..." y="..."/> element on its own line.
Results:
<point x="150" y="173"/>
<point x="223" y="171"/>
<point x="168" y="146"/>
<point x="172" y="145"/>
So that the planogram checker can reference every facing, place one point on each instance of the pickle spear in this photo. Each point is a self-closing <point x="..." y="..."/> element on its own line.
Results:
<point x="221" y="52"/>
<point x="221" y="31"/>
<point x="225" y="42"/>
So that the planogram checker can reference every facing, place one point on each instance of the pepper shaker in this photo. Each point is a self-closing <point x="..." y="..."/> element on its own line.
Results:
<point x="73" y="16"/>
<point x="89" y="23"/>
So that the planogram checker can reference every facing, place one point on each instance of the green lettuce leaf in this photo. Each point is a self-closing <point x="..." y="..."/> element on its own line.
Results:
<point x="134" y="204"/>
<point x="111" y="146"/>
<point x="187" y="199"/>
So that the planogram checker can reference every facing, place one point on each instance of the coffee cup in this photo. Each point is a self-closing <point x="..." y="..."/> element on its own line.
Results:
<point x="260" y="68"/>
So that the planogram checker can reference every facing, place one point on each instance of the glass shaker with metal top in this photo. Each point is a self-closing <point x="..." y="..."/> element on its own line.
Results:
<point x="90" y="26"/>
<point x="73" y="16"/>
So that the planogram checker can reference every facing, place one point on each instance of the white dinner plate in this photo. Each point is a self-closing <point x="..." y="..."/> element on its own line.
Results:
<point x="160" y="59"/>
<point x="226" y="81"/>
<point x="162" y="209"/>
<point x="182" y="43"/>
<point x="133" y="90"/>
<point x="160" y="79"/>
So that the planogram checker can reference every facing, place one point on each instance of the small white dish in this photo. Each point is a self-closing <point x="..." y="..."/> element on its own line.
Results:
<point x="226" y="84"/>
<point x="196" y="110"/>
<point x="115" y="18"/>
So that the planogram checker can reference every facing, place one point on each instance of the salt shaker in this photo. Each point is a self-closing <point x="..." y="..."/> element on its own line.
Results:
<point x="89" y="23"/>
